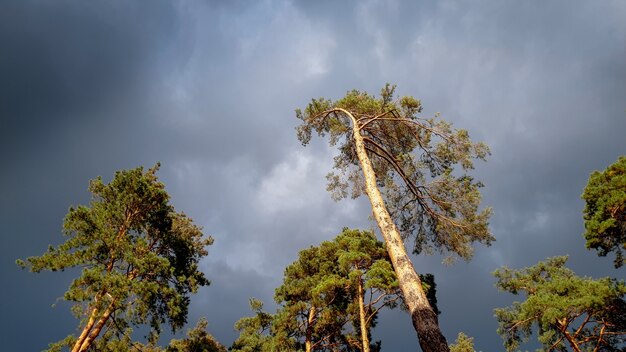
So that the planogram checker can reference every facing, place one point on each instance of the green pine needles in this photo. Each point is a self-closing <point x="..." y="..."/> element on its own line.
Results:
<point x="581" y="313"/>
<point x="605" y="211"/>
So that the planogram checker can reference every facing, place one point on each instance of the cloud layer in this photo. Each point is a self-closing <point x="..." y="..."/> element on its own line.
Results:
<point x="209" y="90"/>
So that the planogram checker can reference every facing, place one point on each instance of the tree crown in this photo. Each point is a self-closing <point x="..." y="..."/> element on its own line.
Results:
<point x="414" y="160"/>
<point x="139" y="257"/>
<point x="566" y="308"/>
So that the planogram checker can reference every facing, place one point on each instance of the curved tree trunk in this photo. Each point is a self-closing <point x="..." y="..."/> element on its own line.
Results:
<point x="424" y="318"/>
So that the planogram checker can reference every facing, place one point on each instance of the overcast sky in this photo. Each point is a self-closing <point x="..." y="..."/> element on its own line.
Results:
<point x="209" y="89"/>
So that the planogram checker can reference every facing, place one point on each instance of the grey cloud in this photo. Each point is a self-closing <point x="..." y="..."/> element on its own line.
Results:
<point x="63" y="58"/>
<point x="225" y="306"/>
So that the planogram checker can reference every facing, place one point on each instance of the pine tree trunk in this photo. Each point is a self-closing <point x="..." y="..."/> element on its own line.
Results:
<point x="424" y="318"/>
<point x="91" y="331"/>
<point x="86" y="330"/>
<point x="96" y="330"/>
<point x="365" y="342"/>
<point x="309" y="330"/>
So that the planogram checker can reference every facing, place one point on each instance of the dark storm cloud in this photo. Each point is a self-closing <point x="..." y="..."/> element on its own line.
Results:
<point x="62" y="60"/>
<point x="225" y="306"/>
<point x="209" y="89"/>
<point x="69" y="73"/>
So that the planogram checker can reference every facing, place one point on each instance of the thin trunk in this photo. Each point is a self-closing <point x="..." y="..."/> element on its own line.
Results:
<point x="96" y="330"/>
<point x="599" y="338"/>
<point x="424" y="318"/>
<point x="83" y="344"/>
<point x="365" y="342"/>
<point x="309" y="330"/>
<point x="570" y="339"/>
<point x="86" y="329"/>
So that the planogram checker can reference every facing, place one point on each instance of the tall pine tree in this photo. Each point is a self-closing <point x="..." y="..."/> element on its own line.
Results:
<point x="405" y="165"/>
